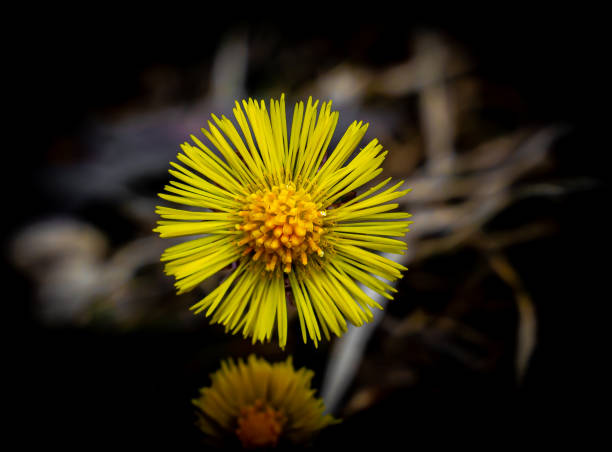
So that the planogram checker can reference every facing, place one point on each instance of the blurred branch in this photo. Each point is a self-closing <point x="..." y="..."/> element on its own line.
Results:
<point x="479" y="183"/>
<point x="435" y="62"/>
<point x="435" y="105"/>
<point x="527" y="321"/>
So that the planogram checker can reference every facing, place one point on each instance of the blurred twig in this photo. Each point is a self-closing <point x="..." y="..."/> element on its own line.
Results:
<point x="454" y="196"/>
<point x="527" y="322"/>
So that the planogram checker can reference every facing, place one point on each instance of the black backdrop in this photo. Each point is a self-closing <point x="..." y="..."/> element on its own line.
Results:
<point x="81" y="388"/>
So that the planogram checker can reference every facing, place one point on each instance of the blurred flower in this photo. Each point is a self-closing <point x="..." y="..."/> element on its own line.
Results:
<point x="261" y="403"/>
<point x="286" y="213"/>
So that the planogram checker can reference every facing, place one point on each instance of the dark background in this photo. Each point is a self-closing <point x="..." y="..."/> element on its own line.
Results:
<point x="81" y="386"/>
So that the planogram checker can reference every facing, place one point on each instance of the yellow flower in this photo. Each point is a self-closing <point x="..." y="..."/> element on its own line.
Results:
<point x="283" y="210"/>
<point x="261" y="403"/>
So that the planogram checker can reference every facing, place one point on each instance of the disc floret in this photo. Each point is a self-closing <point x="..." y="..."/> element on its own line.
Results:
<point x="281" y="226"/>
<point x="259" y="425"/>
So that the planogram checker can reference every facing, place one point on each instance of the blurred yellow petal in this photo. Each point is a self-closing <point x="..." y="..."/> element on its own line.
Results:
<point x="260" y="404"/>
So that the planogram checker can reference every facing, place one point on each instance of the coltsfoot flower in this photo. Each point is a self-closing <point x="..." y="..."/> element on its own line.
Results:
<point x="284" y="211"/>
<point x="261" y="403"/>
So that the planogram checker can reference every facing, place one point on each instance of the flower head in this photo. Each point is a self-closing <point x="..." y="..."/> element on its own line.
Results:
<point x="285" y="211"/>
<point x="261" y="403"/>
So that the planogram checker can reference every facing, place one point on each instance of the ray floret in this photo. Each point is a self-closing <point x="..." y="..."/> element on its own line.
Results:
<point x="281" y="206"/>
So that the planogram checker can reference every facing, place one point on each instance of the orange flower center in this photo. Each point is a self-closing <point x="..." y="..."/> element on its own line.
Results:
<point x="259" y="425"/>
<point x="281" y="226"/>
